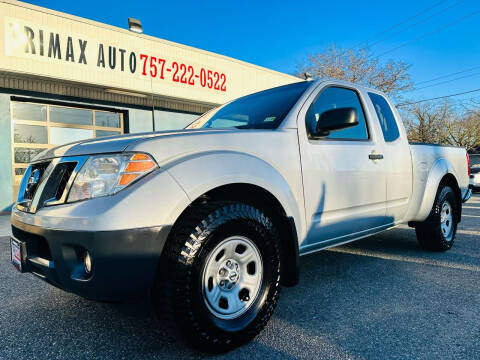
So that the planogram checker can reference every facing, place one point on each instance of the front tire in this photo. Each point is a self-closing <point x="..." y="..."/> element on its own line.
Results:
<point x="220" y="275"/>
<point x="437" y="232"/>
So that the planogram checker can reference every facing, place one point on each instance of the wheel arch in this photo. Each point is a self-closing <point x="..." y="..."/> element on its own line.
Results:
<point x="263" y="199"/>
<point x="441" y="173"/>
<point x="450" y="180"/>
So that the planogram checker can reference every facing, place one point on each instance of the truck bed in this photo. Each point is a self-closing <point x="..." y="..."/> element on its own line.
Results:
<point x="427" y="161"/>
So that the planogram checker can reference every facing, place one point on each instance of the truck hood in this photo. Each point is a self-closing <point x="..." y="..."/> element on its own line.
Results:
<point x="113" y="144"/>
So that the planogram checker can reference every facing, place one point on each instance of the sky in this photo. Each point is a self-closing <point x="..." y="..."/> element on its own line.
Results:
<point x="437" y="37"/>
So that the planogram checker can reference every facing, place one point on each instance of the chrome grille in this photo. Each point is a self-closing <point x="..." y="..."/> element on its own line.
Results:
<point x="36" y="173"/>
<point x="47" y="183"/>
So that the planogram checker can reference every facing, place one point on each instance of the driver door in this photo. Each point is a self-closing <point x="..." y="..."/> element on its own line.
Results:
<point x="343" y="174"/>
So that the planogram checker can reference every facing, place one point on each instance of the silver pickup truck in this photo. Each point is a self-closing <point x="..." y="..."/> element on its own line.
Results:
<point x="211" y="220"/>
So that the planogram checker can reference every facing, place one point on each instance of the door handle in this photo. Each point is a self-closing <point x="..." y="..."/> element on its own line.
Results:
<point x="375" y="156"/>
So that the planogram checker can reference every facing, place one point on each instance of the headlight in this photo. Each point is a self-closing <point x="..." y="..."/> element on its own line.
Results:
<point x="103" y="175"/>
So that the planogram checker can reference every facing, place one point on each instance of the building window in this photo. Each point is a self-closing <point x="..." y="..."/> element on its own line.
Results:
<point x="64" y="115"/>
<point x="30" y="134"/>
<point x="30" y="112"/>
<point x="37" y="127"/>
<point x="108" y="119"/>
<point x="169" y="120"/>
<point x="63" y="135"/>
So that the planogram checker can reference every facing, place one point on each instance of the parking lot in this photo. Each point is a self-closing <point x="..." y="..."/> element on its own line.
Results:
<point x="379" y="298"/>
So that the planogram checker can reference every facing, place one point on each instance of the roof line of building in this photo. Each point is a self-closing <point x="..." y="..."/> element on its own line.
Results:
<point x="148" y="37"/>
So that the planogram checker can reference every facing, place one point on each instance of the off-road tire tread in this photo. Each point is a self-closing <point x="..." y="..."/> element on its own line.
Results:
<point x="172" y="297"/>
<point x="429" y="232"/>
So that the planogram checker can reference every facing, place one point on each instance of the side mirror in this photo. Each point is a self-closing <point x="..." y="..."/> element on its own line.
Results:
<point x="336" y="119"/>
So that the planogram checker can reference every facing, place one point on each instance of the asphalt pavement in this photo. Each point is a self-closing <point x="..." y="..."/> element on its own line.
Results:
<point x="379" y="298"/>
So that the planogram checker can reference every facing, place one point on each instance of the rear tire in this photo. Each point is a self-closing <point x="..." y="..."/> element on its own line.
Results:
<point x="204" y="251"/>
<point x="437" y="232"/>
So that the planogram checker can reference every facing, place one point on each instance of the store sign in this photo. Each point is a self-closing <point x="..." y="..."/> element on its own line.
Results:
<point x="28" y="40"/>
<point x="44" y="43"/>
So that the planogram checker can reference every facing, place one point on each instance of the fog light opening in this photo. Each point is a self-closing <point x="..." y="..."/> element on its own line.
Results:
<point x="87" y="261"/>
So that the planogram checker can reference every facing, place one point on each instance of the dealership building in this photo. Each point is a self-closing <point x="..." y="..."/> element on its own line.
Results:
<point x="65" y="78"/>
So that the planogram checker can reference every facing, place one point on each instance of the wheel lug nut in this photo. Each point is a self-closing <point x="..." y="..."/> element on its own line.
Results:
<point x="222" y="272"/>
<point x="222" y="283"/>
<point x="245" y="298"/>
<point x="229" y="263"/>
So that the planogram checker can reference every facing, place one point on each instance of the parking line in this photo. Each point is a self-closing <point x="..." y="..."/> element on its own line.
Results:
<point x="410" y="259"/>
<point x="471" y="215"/>
<point x="465" y="232"/>
<point x="471" y="207"/>
<point x="468" y="232"/>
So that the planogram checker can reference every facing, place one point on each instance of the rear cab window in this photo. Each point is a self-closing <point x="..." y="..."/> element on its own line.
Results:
<point x="385" y="117"/>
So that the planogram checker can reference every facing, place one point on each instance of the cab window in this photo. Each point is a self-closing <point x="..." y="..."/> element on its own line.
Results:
<point x="335" y="98"/>
<point x="385" y="117"/>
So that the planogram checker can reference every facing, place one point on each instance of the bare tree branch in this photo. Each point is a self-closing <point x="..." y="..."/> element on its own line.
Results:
<point x="438" y="123"/>
<point x="359" y="66"/>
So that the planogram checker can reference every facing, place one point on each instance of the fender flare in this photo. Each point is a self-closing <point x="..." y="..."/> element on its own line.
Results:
<point x="438" y="171"/>
<point x="206" y="171"/>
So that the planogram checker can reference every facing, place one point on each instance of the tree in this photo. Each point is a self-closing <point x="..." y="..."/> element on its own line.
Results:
<point x="474" y="107"/>
<point x="359" y="66"/>
<point x="464" y="131"/>
<point x="425" y="122"/>
<point x="438" y="123"/>
<point x="474" y="110"/>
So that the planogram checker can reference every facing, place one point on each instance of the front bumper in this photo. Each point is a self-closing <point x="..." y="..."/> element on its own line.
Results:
<point x="467" y="194"/>
<point x="124" y="262"/>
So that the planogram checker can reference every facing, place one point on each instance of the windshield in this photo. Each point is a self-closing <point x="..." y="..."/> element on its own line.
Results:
<point x="262" y="110"/>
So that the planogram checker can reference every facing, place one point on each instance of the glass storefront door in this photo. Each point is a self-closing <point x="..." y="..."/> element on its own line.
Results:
<point x="37" y="127"/>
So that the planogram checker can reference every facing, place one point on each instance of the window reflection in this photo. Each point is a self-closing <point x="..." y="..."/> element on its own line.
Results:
<point x="61" y="135"/>
<point x="169" y="120"/>
<point x="26" y="155"/>
<point x="71" y="116"/>
<point x="100" y="133"/>
<point x="108" y="119"/>
<point x="27" y="111"/>
<point x="30" y="134"/>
